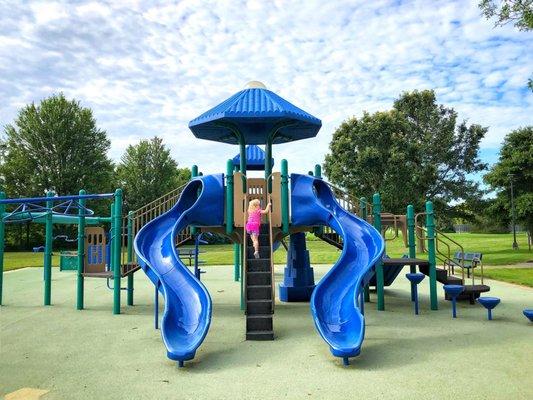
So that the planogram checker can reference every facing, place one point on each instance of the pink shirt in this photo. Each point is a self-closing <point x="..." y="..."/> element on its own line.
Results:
<point x="254" y="219"/>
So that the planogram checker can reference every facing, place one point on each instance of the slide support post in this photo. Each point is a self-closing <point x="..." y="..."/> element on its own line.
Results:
<point x="81" y="252"/>
<point x="376" y="202"/>
<point x="117" y="251"/>
<point x="48" y="251"/>
<point x="285" y="196"/>
<point x="2" y="238"/>
<point x="432" y="258"/>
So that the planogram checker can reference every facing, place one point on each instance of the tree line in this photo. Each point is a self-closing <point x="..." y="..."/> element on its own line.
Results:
<point x="419" y="150"/>
<point x="56" y="146"/>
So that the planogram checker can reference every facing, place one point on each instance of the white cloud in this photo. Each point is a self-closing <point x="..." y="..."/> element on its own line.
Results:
<point x="147" y="68"/>
<point x="47" y="12"/>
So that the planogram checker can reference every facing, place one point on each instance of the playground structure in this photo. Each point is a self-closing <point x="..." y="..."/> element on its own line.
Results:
<point x="95" y="259"/>
<point x="301" y="204"/>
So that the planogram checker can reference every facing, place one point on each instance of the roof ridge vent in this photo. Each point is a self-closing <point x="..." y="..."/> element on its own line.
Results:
<point x="255" y="85"/>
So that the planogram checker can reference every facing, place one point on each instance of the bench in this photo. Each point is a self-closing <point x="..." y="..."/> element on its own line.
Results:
<point x="464" y="260"/>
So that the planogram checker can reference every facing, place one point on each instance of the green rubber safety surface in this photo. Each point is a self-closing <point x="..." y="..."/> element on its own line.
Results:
<point x="92" y="354"/>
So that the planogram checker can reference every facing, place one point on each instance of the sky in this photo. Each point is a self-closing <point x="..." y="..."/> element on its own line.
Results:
<point x="146" y="68"/>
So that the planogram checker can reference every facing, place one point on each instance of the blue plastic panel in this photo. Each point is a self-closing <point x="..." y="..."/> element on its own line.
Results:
<point x="187" y="313"/>
<point x="334" y="303"/>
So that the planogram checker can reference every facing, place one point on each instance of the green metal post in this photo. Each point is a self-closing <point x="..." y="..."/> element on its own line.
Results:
<point x="2" y="237"/>
<point x="81" y="252"/>
<point x="318" y="171"/>
<point x="129" y="258"/>
<point x="48" y="252"/>
<point x="237" y="261"/>
<point x="229" y="197"/>
<point x="362" y="214"/>
<point x="432" y="258"/>
<point x="242" y="274"/>
<point x="242" y="148"/>
<point x="194" y="171"/>
<point x="268" y="164"/>
<point x="411" y="244"/>
<point x="376" y="203"/>
<point x="285" y="196"/>
<point x="117" y="250"/>
<point x="194" y="174"/>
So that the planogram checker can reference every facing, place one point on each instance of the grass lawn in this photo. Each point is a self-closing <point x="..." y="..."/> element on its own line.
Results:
<point x="23" y="259"/>
<point x="520" y="276"/>
<point x="496" y="249"/>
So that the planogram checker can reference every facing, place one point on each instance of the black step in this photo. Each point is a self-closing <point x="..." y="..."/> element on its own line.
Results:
<point x="264" y="252"/>
<point x="471" y="293"/>
<point x="259" y="278"/>
<point x="258" y="265"/>
<point x="442" y="275"/>
<point x="261" y="322"/>
<point x="453" y="280"/>
<point x="255" y="307"/>
<point x="260" y="335"/>
<point x="264" y="240"/>
<point x="259" y="292"/>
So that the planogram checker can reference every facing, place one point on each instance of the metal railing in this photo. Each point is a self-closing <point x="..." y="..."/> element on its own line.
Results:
<point x="349" y="203"/>
<point x="147" y="213"/>
<point x="445" y="248"/>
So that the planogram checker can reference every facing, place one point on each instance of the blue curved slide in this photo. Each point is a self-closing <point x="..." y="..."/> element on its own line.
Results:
<point x="334" y="303"/>
<point x="187" y="313"/>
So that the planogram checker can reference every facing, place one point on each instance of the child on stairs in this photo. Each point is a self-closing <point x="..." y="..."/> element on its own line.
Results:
<point x="253" y="224"/>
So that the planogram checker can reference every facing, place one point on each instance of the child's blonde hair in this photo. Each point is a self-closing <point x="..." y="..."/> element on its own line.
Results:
<point x="253" y="205"/>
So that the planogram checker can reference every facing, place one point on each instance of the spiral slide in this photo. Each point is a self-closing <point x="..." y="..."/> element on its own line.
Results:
<point x="334" y="303"/>
<point x="187" y="313"/>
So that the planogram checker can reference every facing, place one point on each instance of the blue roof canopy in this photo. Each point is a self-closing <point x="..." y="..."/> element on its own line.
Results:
<point x="255" y="158"/>
<point x="254" y="114"/>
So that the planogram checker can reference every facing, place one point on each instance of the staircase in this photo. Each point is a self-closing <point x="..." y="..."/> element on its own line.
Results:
<point x="259" y="288"/>
<point x="329" y="236"/>
<point x="470" y="293"/>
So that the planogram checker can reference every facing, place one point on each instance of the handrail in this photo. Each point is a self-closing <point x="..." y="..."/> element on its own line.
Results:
<point x="272" y="275"/>
<point x="346" y="199"/>
<point x="448" y="259"/>
<point x="244" y="261"/>
<point x="147" y="213"/>
<point x="395" y="230"/>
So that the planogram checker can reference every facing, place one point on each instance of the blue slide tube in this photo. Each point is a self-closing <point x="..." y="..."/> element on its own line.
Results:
<point x="334" y="303"/>
<point x="187" y="313"/>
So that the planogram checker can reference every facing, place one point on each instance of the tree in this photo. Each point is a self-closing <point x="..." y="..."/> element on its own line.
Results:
<point x="414" y="152"/>
<point x="519" y="12"/>
<point x="147" y="171"/>
<point x="516" y="164"/>
<point x="55" y="146"/>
